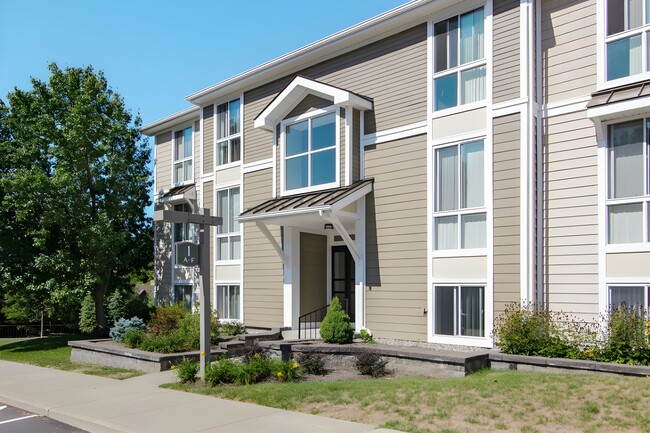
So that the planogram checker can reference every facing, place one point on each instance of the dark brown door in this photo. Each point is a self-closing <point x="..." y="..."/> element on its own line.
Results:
<point x="343" y="278"/>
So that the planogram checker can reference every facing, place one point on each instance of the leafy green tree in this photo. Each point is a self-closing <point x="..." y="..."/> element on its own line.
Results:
<point x="74" y="185"/>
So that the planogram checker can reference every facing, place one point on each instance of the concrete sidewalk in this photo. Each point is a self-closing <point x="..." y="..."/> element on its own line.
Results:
<point x="138" y="405"/>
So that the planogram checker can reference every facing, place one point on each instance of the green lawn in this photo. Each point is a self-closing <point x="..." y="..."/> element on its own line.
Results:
<point x="54" y="352"/>
<point x="488" y="401"/>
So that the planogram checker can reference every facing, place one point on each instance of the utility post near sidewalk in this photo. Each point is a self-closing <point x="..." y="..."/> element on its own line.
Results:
<point x="189" y="259"/>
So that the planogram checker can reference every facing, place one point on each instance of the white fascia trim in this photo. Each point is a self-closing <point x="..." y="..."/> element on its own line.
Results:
<point x="182" y="116"/>
<point x="508" y="107"/>
<point x="257" y="165"/>
<point x="297" y="90"/>
<point x="336" y="207"/>
<point x="244" y="219"/>
<point x="398" y="133"/>
<point x="618" y="110"/>
<point x="566" y="106"/>
<point x="207" y="177"/>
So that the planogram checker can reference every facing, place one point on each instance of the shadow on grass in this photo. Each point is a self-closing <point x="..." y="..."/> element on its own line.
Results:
<point x="39" y="344"/>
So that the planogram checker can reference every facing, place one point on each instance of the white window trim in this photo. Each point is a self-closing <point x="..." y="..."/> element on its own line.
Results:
<point x="229" y="234"/>
<point x="644" y="200"/>
<point x="645" y="285"/>
<point x="458" y="252"/>
<point x="463" y="340"/>
<point x="286" y="122"/>
<point x="241" y="303"/>
<point x="191" y="158"/>
<point x="229" y="137"/>
<point x="460" y="107"/>
<point x="601" y="49"/>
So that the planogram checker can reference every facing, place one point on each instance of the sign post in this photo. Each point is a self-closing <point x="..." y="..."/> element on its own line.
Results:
<point x="193" y="255"/>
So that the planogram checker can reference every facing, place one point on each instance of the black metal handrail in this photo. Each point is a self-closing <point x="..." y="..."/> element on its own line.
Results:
<point x="310" y="322"/>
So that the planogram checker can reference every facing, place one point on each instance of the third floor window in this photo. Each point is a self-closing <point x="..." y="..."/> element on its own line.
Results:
<point x="228" y="132"/>
<point x="628" y="30"/>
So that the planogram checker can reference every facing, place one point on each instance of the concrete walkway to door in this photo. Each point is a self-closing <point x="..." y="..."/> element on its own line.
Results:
<point x="138" y="405"/>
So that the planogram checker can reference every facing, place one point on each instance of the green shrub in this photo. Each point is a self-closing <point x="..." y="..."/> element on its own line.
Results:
<point x="626" y="338"/>
<point x="371" y="364"/>
<point x="116" y="307"/>
<point x="313" y="363"/>
<point x="133" y="337"/>
<point x="166" y="319"/>
<point x="123" y="325"/>
<point x="367" y="337"/>
<point x="223" y="371"/>
<point x="187" y="370"/>
<point x="87" y="315"/>
<point x="256" y="370"/>
<point x="171" y="343"/>
<point x="335" y="327"/>
<point x="232" y="329"/>
<point x="285" y="371"/>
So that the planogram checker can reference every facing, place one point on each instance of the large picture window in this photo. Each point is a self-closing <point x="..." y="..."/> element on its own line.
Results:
<point x="229" y="132"/>
<point x="229" y="233"/>
<point x="628" y="192"/>
<point x="459" y="214"/>
<point x="460" y="311"/>
<point x="228" y="299"/>
<point x="310" y="152"/>
<point x="627" y="33"/>
<point x="459" y="60"/>
<point x="183" y="145"/>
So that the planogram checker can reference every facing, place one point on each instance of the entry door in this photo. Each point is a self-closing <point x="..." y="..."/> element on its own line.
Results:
<point x="343" y="278"/>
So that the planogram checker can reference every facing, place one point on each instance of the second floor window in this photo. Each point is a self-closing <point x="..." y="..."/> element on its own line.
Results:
<point x="628" y="25"/>
<point x="183" y="156"/>
<point x="459" y="60"/>
<point x="184" y="232"/>
<point x="310" y="152"/>
<point x="228" y="132"/>
<point x="628" y="192"/>
<point x="459" y="214"/>
<point x="229" y="233"/>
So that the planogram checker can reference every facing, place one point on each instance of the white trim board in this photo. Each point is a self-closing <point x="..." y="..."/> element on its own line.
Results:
<point x="262" y="164"/>
<point x="413" y="129"/>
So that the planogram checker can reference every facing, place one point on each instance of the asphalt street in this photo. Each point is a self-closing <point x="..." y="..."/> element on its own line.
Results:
<point x="13" y="420"/>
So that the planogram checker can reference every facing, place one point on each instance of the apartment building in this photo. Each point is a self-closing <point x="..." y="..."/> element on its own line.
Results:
<point x="426" y="166"/>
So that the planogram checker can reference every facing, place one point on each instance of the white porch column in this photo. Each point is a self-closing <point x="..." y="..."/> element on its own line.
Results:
<point x="292" y="277"/>
<point x="360" y="266"/>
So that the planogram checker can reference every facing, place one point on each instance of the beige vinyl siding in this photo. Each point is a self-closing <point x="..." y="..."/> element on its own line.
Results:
<point x="506" y="200"/>
<point x="568" y="49"/>
<point x="208" y="139"/>
<point x="163" y="258"/>
<point x="313" y="272"/>
<point x="571" y="215"/>
<point x="163" y="161"/>
<point x="263" y="282"/>
<point x="506" y="52"/>
<point x="398" y="67"/>
<point x="208" y="202"/>
<point x="396" y="239"/>
<point x="307" y="105"/>
<point x="356" y="145"/>
<point x="343" y="144"/>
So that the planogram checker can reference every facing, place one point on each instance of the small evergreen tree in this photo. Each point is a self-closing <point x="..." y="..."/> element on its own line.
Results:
<point x="87" y="317"/>
<point x="335" y="327"/>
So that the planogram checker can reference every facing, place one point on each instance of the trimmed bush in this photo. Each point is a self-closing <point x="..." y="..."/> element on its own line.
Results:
<point x="171" y="343"/>
<point x="133" y="337"/>
<point x="232" y="329"/>
<point x="313" y="363"/>
<point x="371" y="364"/>
<point x="123" y="325"/>
<point x="335" y="327"/>
<point x="166" y="319"/>
<point x="187" y="370"/>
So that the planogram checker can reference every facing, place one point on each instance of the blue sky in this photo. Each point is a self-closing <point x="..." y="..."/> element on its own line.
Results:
<point x="155" y="53"/>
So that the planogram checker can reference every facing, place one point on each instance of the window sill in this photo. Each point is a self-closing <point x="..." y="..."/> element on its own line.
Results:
<point x="627" y="248"/>
<point x="286" y="193"/>
<point x="476" y="252"/>
<point x="458" y="109"/>
<point x="624" y="81"/>
<point x="227" y="166"/>
<point x="227" y="262"/>
<point x="462" y="340"/>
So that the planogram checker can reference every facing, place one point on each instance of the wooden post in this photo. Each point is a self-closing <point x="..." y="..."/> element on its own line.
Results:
<point x="204" y="296"/>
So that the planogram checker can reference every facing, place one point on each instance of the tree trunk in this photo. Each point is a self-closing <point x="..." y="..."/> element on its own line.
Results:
<point x="99" y="293"/>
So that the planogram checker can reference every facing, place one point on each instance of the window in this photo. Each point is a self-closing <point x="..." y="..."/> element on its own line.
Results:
<point x="183" y="294"/>
<point x="310" y="152"/>
<point x="628" y="30"/>
<point x="228" y="132"/>
<point x="183" y="156"/>
<point x="628" y="192"/>
<point x="228" y="234"/>
<point x="460" y="311"/>
<point x="459" y="60"/>
<point x="228" y="302"/>
<point x="184" y="231"/>
<point x="630" y="297"/>
<point x="459" y="214"/>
